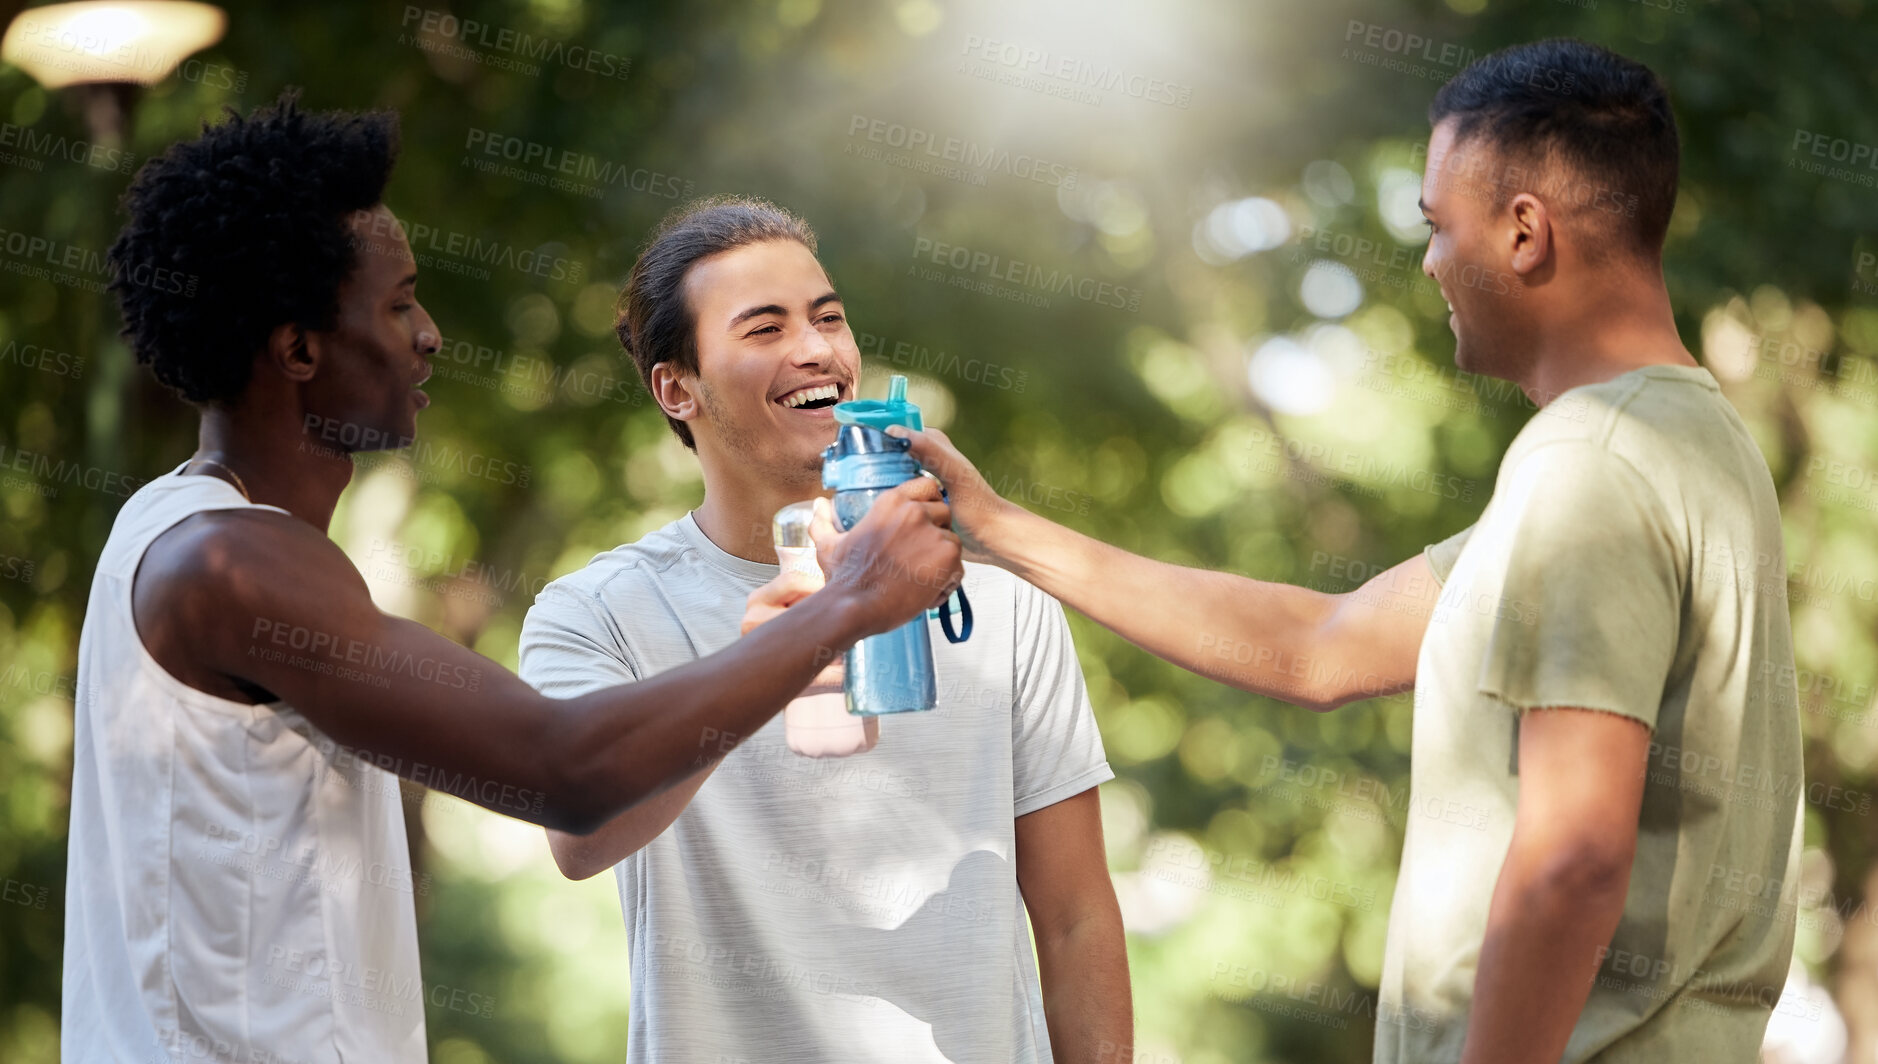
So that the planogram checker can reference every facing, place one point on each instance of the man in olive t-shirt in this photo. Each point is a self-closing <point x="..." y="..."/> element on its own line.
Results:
<point x="1629" y="562"/>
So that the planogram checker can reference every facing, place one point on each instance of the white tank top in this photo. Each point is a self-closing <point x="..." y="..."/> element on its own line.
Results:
<point x="238" y="888"/>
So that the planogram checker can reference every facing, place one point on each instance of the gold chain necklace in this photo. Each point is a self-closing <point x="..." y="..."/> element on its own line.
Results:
<point x="239" y="486"/>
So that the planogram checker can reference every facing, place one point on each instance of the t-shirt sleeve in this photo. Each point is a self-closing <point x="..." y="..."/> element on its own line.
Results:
<point x="569" y="647"/>
<point x="1056" y="749"/>
<point x="1441" y="555"/>
<point x="1591" y="603"/>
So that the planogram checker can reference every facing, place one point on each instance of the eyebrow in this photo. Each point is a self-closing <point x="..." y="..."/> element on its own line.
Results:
<point x="1422" y="203"/>
<point x="775" y="308"/>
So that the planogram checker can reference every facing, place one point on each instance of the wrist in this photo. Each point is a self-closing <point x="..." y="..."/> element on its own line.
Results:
<point x="1003" y="535"/>
<point x="838" y="614"/>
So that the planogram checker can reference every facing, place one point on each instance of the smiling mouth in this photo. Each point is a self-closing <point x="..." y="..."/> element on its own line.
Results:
<point x="814" y="397"/>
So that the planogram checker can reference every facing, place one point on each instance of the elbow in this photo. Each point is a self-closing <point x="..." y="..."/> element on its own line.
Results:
<point x="1588" y="870"/>
<point x="584" y="787"/>
<point x="1325" y="701"/>
<point x="582" y="803"/>
<point x="571" y="856"/>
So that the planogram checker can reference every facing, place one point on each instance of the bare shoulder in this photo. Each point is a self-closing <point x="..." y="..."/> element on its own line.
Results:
<point x="205" y="583"/>
<point x="223" y="557"/>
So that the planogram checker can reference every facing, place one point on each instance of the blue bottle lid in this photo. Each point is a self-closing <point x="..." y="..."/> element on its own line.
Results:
<point x="880" y="413"/>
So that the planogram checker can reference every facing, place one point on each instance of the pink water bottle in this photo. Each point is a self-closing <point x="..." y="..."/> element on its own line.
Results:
<point x="817" y="723"/>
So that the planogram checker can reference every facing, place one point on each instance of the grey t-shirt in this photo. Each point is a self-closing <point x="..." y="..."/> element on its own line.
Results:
<point x="1630" y="561"/>
<point x="842" y="909"/>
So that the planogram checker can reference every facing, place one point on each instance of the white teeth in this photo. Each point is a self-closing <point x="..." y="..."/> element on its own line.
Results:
<point x="809" y="395"/>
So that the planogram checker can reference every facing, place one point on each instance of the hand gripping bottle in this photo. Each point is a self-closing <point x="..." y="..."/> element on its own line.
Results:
<point x="817" y="723"/>
<point x="891" y="672"/>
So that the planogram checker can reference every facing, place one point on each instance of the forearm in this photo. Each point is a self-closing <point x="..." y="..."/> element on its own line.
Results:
<point x="1086" y="1001"/>
<point x="625" y="745"/>
<point x="1254" y="635"/>
<point x="583" y="856"/>
<point x="1545" y="932"/>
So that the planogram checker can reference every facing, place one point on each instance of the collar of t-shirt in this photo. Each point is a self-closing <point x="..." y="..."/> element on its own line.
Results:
<point x="756" y="573"/>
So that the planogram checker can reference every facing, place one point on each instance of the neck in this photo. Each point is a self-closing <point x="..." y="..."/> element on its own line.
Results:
<point x="740" y="503"/>
<point x="276" y="460"/>
<point x="1626" y="325"/>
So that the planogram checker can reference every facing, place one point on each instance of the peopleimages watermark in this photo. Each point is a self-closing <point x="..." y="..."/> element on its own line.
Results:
<point x="432" y="570"/>
<point x="449" y="251"/>
<point x="313" y="973"/>
<point x="921" y="359"/>
<point x="563" y="170"/>
<point x="1272" y="452"/>
<point x="968" y="156"/>
<point x="1359" y="796"/>
<point x="502" y="47"/>
<point x="1761" y="892"/>
<point x="833" y="777"/>
<point x="1065" y="76"/>
<point x="272" y="857"/>
<point x="39" y="146"/>
<point x="342" y="762"/>
<point x="48" y="472"/>
<point x="24" y="895"/>
<point x="531" y="377"/>
<point x="1324" y="1004"/>
<point x="47" y="259"/>
<point x="1176" y="859"/>
<point x="333" y="437"/>
<point x="42" y="358"/>
<point x="993" y="274"/>
<point x="1860" y="159"/>
<point x="43" y="682"/>
<point x="865" y="892"/>
<point x="347" y="658"/>
<point x="1758" y="786"/>
<point x="1865" y="274"/>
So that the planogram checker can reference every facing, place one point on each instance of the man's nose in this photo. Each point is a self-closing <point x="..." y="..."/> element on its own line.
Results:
<point x="429" y="339"/>
<point x="816" y="347"/>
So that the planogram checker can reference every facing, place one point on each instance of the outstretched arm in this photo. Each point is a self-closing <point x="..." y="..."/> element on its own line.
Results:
<point x="1315" y="649"/>
<point x="274" y="604"/>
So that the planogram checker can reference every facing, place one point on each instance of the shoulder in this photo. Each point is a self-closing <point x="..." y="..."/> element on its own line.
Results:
<point x="624" y="570"/>
<point x="241" y="555"/>
<point x="225" y="576"/>
<point x="1644" y="417"/>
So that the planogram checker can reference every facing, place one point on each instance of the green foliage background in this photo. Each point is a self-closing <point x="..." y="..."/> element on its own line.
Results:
<point x="1139" y="427"/>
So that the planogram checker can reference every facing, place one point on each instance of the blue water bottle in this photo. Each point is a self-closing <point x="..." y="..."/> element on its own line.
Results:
<point x="891" y="672"/>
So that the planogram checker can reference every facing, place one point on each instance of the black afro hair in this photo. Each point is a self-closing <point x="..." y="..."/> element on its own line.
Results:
<point x="241" y="230"/>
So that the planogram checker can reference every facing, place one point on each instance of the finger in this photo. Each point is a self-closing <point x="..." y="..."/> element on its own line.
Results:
<point x="786" y="589"/>
<point x="938" y="513"/>
<point x="919" y="489"/>
<point x="931" y="448"/>
<point x="756" y="617"/>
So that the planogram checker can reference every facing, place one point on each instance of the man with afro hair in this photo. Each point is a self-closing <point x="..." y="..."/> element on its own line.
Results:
<point x="239" y="882"/>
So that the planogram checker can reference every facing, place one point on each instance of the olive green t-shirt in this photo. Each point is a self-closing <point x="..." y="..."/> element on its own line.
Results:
<point x="1629" y="561"/>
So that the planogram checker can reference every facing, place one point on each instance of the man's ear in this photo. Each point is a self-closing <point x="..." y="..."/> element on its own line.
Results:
<point x="293" y="352"/>
<point x="675" y="391"/>
<point x="1529" y="232"/>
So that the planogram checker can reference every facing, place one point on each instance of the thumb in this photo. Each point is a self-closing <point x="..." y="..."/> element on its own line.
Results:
<point x="822" y="528"/>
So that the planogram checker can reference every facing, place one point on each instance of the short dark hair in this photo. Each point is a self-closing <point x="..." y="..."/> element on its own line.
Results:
<point x="1567" y="102"/>
<point x="652" y="320"/>
<point x="253" y="214"/>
